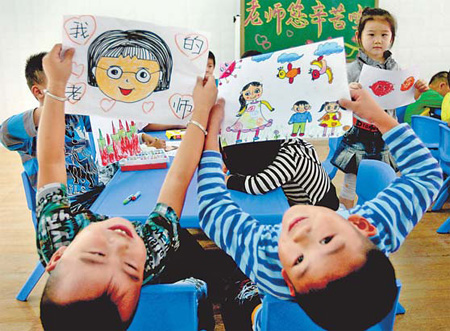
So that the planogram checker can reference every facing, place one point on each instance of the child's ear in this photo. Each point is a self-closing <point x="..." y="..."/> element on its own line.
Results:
<point x="288" y="282"/>
<point x="363" y="225"/>
<point x="55" y="259"/>
<point x="38" y="92"/>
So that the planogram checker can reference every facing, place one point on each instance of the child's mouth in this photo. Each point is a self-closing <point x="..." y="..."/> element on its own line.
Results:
<point x="294" y="223"/>
<point x="119" y="228"/>
<point x="125" y="91"/>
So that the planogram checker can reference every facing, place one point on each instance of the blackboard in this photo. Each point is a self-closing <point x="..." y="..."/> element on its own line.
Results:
<point x="269" y="25"/>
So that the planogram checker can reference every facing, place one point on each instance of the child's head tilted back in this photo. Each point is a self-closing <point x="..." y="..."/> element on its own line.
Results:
<point x="99" y="274"/>
<point x="376" y="32"/>
<point x="337" y="274"/>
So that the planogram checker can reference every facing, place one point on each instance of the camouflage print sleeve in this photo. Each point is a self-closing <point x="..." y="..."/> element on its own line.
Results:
<point x="57" y="226"/>
<point x="160" y="236"/>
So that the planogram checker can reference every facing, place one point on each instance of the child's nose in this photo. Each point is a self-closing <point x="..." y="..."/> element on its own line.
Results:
<point x="302" y="234"/>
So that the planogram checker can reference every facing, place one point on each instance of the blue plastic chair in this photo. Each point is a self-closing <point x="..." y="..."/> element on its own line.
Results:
<point x="445" y="227"/>
<point x="281" y="315"/>
<point x="333" y="143"/>
<point x="400" y="112"/>
<point x="444" y="161"/>
<point x="39" y="270"/>
<point x="366" y="186"/>
<point x="427" y="129"/>
<point x="166" y="307"/>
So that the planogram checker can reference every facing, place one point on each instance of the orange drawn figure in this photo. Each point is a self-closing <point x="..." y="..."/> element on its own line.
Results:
<point x="291" y="73"/>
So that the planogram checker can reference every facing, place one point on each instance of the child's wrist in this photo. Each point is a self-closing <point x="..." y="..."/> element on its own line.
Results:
<point x="386" y="124"/>
<point x="57" y="88"/>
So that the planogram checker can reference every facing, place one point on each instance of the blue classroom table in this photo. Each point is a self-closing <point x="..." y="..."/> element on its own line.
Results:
<point x="268" y="208"/>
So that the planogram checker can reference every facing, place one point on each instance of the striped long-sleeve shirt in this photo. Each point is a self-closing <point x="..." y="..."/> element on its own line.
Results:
<point x="296" y="168"/>
<point x="254" y="246"/>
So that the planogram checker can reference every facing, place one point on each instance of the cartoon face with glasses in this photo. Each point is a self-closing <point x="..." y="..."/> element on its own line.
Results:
<point x="128" y="66"/>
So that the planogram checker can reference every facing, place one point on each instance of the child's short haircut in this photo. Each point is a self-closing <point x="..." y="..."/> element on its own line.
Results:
<point x="34" y="72"/>
<point x="96" y="314"/>
<point x="356" y="301"/>
<point x="212" y="57"/>
<point x="440" y="76"/>
<point x="302" y="103"/>
<point x="250" y="52"/>
<point x="369" y="14"/>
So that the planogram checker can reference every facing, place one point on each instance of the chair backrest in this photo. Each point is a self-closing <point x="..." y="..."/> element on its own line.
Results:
<point x="166" y="307"/>
<point x="333" y="143"/>
<point x="427" y="129"/>
<point x="30" y="195"/>
<point x="280" y="315"/>
<point x="373" y="176"/>
<point x="444" y="148"/>
<point x="400" y="112"/>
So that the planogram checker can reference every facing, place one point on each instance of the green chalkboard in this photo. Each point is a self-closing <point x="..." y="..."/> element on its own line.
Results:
<point x="270" y="25"/>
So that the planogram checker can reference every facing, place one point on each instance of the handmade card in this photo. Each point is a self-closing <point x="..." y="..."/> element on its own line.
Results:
<point x="289" y="93"/>
<point x="133" y="70"/>
<point x="390" y="88"/>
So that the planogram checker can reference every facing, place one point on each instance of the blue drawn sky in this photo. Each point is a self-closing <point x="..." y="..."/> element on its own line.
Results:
<point x="328" y="48"/>
<point x="288" y="57"/>
<point x="261" y="57"/>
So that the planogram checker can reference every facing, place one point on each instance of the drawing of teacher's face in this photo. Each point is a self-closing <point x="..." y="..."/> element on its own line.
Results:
<point x="252" y="92"/>
<point x="126" y="79"/>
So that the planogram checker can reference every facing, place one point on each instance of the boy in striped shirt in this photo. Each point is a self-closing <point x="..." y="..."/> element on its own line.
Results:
<point x="334" y="265"/>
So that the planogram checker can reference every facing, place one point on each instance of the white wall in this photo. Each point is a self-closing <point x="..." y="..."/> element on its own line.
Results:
<point x="31" y="26"/>
<point x="423" y="34"/>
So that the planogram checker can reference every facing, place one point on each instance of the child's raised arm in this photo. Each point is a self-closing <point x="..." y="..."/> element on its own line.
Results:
<point x="366" y="107"/>
<point x="50" y="143"/>
<point x="188" y="155"/>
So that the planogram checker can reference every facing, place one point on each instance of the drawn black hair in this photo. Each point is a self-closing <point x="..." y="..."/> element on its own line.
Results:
<point x="326" y="103"/>
<point x="144" y="45"/>
<point x="241" y="96"/>
<point x="302" y="103"/>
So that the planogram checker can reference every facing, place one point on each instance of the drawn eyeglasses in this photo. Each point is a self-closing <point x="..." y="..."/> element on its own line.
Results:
<point x="142" y="75"/>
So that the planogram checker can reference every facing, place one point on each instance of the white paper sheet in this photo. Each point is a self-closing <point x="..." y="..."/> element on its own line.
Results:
<point x="133" y="70"/>
<point x="289" y="93"/>
<point x="390" y="88"/>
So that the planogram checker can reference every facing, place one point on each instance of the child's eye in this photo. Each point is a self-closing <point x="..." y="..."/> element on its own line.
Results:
<point x="299" y="260"/>
<point x="98" y="253"/>
<point x="257" y="91"/>
<point x="326" y="240"/>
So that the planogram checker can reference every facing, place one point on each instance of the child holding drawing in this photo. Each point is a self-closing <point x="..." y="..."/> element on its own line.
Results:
<point x="333" y="264"/>
<point x="375" y="35"/>
<point x="97" y="265"/>
<point x="293" y="164"/>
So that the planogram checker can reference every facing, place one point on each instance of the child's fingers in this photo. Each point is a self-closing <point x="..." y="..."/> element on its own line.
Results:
<point x="199" y="81"/>
<point x="346" y="104"/>
<point x="355" y="86"/>
<point x="56" y="50"/>
<point x="68" y="55"/>
<point x="221" y="102"/>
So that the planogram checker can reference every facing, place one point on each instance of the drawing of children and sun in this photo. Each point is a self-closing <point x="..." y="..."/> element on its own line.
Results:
<point x="288" y="93"/>
<point x="133" y="70"/>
